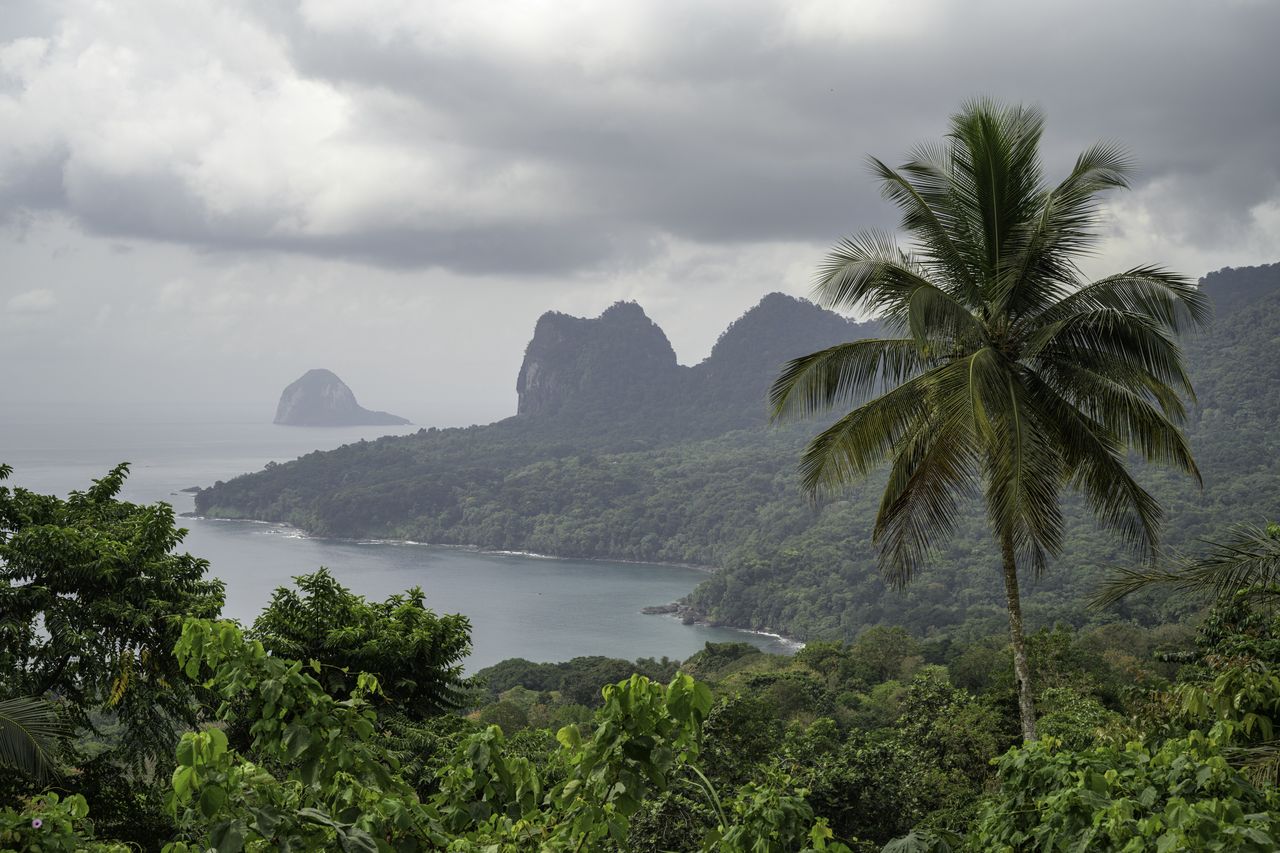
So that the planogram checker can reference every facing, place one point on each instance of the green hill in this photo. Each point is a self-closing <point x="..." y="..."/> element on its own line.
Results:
<point x="619" y="452"/>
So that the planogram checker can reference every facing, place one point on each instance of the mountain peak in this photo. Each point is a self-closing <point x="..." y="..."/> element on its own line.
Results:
<point x="619" y="368"/>
<point x="750" y="354"/>
<point x="613" y="362"/>
<point x="627" y="311"/>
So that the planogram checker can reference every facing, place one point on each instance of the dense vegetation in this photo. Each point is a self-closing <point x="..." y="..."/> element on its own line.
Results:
<point x="627" y="488"/>
<point x="326" y="724"/>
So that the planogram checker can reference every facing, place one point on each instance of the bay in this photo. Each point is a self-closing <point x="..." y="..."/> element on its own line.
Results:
<point x="539" y="608"/>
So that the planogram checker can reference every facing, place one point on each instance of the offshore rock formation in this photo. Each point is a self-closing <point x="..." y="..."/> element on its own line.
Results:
<point x="320" y="399"/>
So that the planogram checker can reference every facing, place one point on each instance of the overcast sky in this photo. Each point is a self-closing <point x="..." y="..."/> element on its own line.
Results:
<point x="201" y="200"/>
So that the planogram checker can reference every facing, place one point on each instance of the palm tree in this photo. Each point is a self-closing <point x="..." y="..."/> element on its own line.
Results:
<point x="29" y="731"/>
<point x="1009" y="374"/>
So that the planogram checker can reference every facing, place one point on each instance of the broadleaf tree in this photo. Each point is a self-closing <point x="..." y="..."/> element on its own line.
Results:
<point x="92" y="593"/>
<point x="416" y="654"/>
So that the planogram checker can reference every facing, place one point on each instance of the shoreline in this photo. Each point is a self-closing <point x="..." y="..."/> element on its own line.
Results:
<point x="791" y="643"/>
<point x="475" y="549"/>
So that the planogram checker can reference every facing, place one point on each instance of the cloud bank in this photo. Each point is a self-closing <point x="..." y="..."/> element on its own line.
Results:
<point x="541" y="137"/>
<point x="693" y="155"/>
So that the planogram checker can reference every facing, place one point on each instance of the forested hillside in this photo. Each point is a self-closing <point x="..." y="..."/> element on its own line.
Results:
<point x="658" y="466"/>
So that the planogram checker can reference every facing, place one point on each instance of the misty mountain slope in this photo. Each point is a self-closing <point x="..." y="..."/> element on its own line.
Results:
<point x="663" y="481"/>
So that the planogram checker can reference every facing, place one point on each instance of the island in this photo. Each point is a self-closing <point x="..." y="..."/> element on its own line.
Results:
<point x="320" y="399"/>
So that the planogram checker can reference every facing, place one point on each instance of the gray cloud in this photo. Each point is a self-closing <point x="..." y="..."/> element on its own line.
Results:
<point x="33" y="302"/>
<point x="200" y="201"/>
<point x="522" y="155"/>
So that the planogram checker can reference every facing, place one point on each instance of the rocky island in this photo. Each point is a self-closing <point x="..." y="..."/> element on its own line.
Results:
<point x="320" y="399"/>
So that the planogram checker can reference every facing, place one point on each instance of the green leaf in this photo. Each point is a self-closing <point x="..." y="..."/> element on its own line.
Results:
<point x="265" y="820"/>
<point x="183" y="779"/>
<point x="212" y="798"/>
<point x="297" y="738"/>
<point x="355" y="840"/>
<point x="569" y="737"/>
<point x="229" y="836"/>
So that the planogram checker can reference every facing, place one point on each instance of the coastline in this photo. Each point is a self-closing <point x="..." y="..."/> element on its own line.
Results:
<point x="475" y="549"/>
<point x="675" y="610"/>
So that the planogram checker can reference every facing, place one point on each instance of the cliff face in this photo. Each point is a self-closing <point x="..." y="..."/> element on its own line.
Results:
<point x="621" y="364"/>
<point x="619" y="360"/>
<point x="320" y="398"/>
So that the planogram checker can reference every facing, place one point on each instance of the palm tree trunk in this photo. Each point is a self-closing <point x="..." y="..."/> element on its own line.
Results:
<point x="1026" y="706"/>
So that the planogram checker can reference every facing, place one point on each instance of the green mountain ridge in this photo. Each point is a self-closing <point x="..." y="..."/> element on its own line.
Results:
<point x="676" y="464"/>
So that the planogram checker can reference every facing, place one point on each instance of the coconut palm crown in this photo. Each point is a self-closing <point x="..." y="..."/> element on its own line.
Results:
<point x="1007" y="373"/>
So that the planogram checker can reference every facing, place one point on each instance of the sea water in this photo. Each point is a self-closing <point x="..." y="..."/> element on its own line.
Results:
<point x="520" y="605"/>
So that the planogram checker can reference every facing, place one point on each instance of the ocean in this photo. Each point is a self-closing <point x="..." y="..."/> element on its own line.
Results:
<point x="520" y="605"/>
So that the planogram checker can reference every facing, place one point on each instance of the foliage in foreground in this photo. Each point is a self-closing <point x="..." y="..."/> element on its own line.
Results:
<point x="318" y="773"/>
<point x="1180" y="795"/>
<point x="885" y="742"/>
<point x="416" y="653"/>
<point x="320" y="778"/>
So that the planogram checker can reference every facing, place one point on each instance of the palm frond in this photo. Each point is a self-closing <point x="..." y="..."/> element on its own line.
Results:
<point x="996" y="179"/>
<point x="863" y="439"/>
<point x="1023" y="468"/>
<point x="928" y="216"/>
<point x="866" y="272"/>
<point x="1260" y="762"/>
<point x="937" y="320"/>
<point x="1094" y="466"/>
<point x="933" y="462"/>
<point x="848" y="373"/>
<point x="1037" y="271"/>
<point x="1044" y="249"/>
<point x="1150" y="291"/>
<point x="1099" y="167"/>
<point x="1249" y="559"/>
<point x="1106" y="336"/>
<point x="1064" y="229"/>
<point x="29" y="733"/>
<point x="1072" y="225"/>
<point x="875" y="431"/>
<point x="1089" y="387"/>
<point x="930" y="470"/>
<point x="1130" y="416"/>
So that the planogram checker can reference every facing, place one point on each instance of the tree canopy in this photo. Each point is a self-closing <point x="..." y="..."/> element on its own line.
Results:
<point x="92" y="595"/>
<point x="415" y="655"/>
